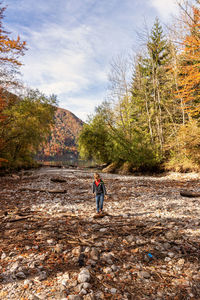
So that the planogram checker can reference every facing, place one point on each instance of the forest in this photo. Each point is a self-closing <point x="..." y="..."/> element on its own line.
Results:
<point x="150" y="119"/>
<point x="26" y="115"/>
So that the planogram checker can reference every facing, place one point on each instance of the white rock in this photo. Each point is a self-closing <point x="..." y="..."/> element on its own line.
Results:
<point x="113" y="291"/>
<point x="107" y="270"/>
<point x="103" y="229"/>
<point x="64" y="282"/>
<point x="3" y="255"/>
<point x="83" y="292"/>
<point x="84" y="276"/>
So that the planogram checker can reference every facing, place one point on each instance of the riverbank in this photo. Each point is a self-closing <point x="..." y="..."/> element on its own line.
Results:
<point x="146" y="246"/>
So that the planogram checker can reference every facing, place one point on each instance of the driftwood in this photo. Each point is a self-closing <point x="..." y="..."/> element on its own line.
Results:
<point x="42" y="190"/>
<point x="18" y="219"/>
<point x="189" y="194"/>
<point x="58" y="179"/>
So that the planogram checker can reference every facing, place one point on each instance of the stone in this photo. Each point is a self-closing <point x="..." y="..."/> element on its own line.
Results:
<point x="89" y="297"/>
<point x="144" y="274"/>
<point x="181" y="261"/>
<point x="114" y="268"/>
<point x="99" y="295"/>
<point x="76" y="251"/>
<point x="107" y="270"/>
<point x="64" y="282"/>
<point x="84" y="276"/>
<point x="58" y="248"/>
<point x="50" y="242"/>
<point x="171" y="254"/>
<point x="20" y="275"/>
<point x="74" y="297"/>
<point x="42" y="276"/>
<point x="3" y="255"/>
<point x="83" y="292"/>
<point x="113" y="291"/>
<point x="94" y="254"/>
<point x="86" y="285"/>
<point x="14" y="267"/>
<point x="103" y="229"/>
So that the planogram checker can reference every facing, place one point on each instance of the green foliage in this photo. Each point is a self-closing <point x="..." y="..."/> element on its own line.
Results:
<point x="185" y="148"/>
<point x="28" y="123"/>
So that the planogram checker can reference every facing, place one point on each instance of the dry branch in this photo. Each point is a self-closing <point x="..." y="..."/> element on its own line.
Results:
<point x="58" y="179"/>
<point x="189" y="194"/>
<point x="42" y="190"/>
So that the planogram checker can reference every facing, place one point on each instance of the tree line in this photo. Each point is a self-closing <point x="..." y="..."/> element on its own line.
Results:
<point x="26" y="115"/>
<point x="150" y="119"/>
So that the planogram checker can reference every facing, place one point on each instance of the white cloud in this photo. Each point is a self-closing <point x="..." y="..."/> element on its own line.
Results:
<point x="165" y="8"/>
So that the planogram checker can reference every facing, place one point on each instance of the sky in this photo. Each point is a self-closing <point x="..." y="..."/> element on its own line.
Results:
<point x="71" y="43"/>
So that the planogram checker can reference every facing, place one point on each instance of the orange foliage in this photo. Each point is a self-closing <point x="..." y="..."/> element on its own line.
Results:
<point x="189" y="71"/>
<point x="10" y="50"/>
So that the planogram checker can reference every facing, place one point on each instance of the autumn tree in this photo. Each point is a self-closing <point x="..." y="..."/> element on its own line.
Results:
<point x="189" y="66"/>
<point x="10" y="51"/>
<point x="28" y="126"/>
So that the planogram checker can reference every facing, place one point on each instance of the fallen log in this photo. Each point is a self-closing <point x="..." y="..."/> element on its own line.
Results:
<point x="58" y="179"/>
<point x="42" y="190"/>
<point x="189" y="194"/>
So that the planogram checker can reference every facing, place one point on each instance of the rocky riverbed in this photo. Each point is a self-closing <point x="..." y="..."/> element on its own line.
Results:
<point x="52" y="246"/>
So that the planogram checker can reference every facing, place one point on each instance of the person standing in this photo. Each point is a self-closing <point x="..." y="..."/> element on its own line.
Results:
<point x="99" y="189"/>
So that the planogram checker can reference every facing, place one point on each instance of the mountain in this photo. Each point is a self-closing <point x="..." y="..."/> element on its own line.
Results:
<point x="62" y="144"/>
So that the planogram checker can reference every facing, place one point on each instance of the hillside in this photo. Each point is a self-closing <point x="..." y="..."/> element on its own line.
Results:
<point x="61" y="144"/>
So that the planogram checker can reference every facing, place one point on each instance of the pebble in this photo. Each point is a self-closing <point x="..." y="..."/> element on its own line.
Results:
<point x="144" y="274"/>
<point x="94" y="254"/>
<point x="84" y="276"/>
<point x="113" y="291"/>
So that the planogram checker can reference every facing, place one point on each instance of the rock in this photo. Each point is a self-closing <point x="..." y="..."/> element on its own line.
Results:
<point x="107" y="270"/>
<point x="113" y="291"/>
<point x="99" y="295"/>
<point x="87" y="250"/>
<point x="3" y="255"/>
<point x="171" y="254"/>
<point x="130" y="238"/>
<point x="74" y="297"/>
<point x="91" y="262"/>
<point x="144" y="274"/>
<point x="86" y="285"/>
<point x="42" y="276"/>
<point x="94" y="254"/>
<point x="181" y="261"/>
<point x="103" y="229"/>
<point x="58" y="248"/>
<point x="50" y="242"/>
<point x="64" y="282"/>
<point x="14" y="267"/>
<point x="84" y="276"/>
<point x="107" y="257"/>
<point x="20" y="275"/>
<point x="76" y="251"/>
<point x="83" y="292"/>
<point x="114" y="268"/>
<point x="89" y="297"/>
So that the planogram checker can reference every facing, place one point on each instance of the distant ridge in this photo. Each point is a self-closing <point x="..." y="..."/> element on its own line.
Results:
<point x="62" y="142"/>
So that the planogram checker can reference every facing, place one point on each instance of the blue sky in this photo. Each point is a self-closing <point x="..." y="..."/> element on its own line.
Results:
<point x="72" y="42"/>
